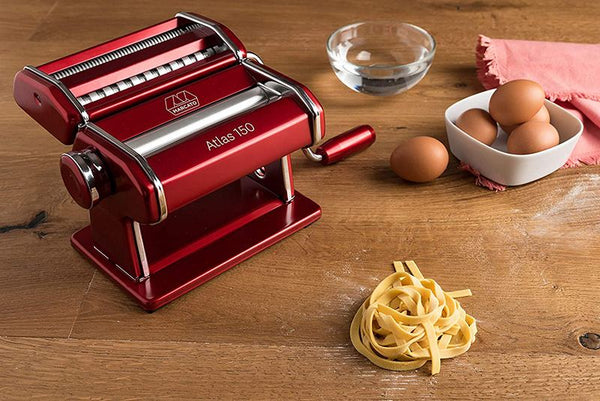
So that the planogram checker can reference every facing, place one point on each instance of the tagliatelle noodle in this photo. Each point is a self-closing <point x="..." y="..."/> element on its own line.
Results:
<point x="409" y="320"/>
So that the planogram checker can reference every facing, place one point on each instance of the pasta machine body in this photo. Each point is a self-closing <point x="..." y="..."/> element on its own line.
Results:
<point x="181" y="150"/>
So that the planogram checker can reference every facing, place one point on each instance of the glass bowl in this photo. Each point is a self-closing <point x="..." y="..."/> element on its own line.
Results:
<point x="380" y="58"/>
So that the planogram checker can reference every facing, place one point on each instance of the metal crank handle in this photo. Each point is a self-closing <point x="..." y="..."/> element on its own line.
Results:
<point x="342" y="146"/>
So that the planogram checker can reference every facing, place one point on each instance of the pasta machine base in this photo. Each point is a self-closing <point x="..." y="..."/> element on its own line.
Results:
<point x="216" y="250"/>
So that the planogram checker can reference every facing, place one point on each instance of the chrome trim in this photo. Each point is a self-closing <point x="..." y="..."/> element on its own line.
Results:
<point x="166" y="135"/>
<point x="272" y="87"/>
<point x="143" y="163"/>
<point x="255" y="57"/>
<point x="141" y="250"/>
<point x="260" y="173"/>
<point x="287" y="178"/>
<point x="312" y="156"/>
<point x="80" y="109"/>
<point x="316" y="128"/>
<point x="116" y="265"/>
<point x="86" y="172"/>
<point x="100" y="252"/>
<point x="216" y="29"/>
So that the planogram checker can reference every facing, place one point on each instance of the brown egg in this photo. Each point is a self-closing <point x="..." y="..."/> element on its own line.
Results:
<point x="542" y="115"/>
<point x="419" y="159"/>
<point x="479" y="124"/>
<point x="532" y="137"/>
<point x="516" y="102"/>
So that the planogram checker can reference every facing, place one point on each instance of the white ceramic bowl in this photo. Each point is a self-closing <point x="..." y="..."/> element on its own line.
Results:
<point x="494" y="162"/>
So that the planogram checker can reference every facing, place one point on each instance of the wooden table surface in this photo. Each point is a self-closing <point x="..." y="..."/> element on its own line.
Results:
<point x="276" y="326"/>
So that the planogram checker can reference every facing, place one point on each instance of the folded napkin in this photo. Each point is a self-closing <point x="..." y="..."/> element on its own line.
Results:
<point x="569" y="73"/>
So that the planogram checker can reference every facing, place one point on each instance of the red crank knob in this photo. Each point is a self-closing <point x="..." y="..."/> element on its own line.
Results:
<point x="346" y="144"/>
<point x="85" y="177"/>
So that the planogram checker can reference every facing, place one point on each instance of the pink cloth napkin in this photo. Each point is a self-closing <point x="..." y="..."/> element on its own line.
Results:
<point x="569" y="73"/>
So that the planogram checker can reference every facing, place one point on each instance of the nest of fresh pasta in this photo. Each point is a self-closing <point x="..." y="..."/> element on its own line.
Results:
<point x="409" y="320"/>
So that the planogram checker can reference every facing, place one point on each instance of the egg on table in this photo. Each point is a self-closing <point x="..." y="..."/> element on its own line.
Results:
<point x="419" y="159"/>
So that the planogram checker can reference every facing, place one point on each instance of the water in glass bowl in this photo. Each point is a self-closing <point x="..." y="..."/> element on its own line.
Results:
<point x="381" y="70"/>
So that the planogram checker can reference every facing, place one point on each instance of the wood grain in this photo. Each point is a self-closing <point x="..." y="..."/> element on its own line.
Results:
<point x="276" y="327"/>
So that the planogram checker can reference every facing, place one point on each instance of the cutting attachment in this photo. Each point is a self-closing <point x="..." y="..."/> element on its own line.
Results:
<point x="127" y="50"/>
<point x="150" y="74"/>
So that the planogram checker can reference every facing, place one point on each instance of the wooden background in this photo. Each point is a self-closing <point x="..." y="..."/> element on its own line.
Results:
<point x="276" y="327"/>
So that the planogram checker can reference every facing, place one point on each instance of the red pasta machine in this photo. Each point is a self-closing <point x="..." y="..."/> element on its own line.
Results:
<point x="181" y="152"/>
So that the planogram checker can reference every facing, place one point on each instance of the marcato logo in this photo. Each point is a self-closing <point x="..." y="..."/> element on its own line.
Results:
<point x="180" y="102"/>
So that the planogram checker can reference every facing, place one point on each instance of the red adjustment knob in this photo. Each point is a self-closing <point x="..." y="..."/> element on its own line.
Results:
<point x="85" y="177"/>
<point x="346" y="144"/>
